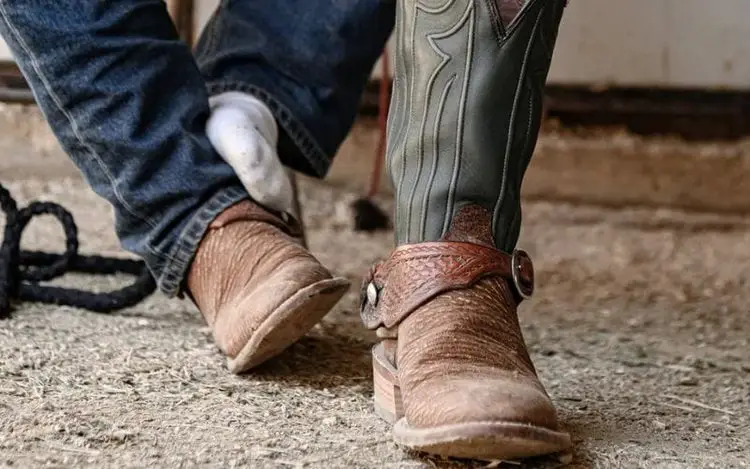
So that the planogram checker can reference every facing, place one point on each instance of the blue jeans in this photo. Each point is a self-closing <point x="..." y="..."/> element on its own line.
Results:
<point x="129" y="102"/>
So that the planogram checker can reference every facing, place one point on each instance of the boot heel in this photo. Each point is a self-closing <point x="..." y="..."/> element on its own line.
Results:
<point x="388" y="403"/>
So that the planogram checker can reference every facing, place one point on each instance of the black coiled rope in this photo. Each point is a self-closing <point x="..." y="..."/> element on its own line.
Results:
<point x="22" y="271"/>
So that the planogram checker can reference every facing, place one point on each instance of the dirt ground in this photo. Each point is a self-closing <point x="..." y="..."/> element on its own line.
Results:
<point x="639" y="329"/>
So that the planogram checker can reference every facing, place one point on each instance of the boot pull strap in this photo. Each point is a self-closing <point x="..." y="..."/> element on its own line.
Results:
<point x="250" y="211"/>
<point x="416" y="273"/>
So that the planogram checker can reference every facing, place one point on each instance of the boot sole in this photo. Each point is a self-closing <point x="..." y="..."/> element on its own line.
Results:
<point x="491" y="440"/>
<point x="290" y="322"/>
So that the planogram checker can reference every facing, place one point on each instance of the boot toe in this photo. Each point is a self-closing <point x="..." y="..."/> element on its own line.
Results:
<point x="240" y="318"/>
<point x="460" y="401"/>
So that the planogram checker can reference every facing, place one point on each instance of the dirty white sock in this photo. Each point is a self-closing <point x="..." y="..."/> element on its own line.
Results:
<point x="244" y="132"/>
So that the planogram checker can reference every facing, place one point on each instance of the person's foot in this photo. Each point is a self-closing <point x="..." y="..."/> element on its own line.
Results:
<point x="244" y="133"/>
<point x="452" y="371"/>
<point x="257" y="287"/>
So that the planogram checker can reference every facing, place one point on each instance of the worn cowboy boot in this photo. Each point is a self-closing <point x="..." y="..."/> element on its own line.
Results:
<point x="452" y="370"/>
<point x="257" y="287"/>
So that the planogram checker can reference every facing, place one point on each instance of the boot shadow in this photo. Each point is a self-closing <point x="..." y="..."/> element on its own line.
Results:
<point x="335" y="354"/>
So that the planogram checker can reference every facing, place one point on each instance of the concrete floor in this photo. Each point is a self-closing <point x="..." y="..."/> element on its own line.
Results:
<point x="639" y="331"/>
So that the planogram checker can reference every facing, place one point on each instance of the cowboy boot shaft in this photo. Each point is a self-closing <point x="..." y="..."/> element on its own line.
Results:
<point x="466" y="110"/>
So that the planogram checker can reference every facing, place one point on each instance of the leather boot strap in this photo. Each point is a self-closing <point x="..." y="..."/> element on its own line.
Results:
<point x="247" y="210"/>
<point x="416" y="273"/>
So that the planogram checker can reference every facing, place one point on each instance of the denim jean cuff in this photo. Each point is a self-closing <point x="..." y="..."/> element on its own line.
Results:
<point x="298" y="149"/>
<point x="172" y="276"/>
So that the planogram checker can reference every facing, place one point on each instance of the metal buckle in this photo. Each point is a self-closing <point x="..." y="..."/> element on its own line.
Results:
<point x="518" y="259"/>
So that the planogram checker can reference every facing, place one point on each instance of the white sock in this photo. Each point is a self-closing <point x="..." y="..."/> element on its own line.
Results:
<point x="244" y="132"/>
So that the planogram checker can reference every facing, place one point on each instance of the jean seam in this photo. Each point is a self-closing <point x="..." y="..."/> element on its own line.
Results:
<point x="187" y="244"/>
<point x="158" y="253"/>
<point x="71" y="120"/>
<point x="300" y="135"/>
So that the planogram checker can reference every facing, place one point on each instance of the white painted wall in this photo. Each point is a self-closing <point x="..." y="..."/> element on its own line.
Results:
<point x="667" y="43"/>
<point x="4" y="52"/>
<point x="688" y="43"/>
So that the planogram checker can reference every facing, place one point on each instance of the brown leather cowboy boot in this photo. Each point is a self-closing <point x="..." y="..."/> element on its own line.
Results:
<point x="452" y="370"/>
<point x="257" y="287"/>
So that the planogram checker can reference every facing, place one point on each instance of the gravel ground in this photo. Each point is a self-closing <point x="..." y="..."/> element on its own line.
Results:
<point x="639" y="331"/>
